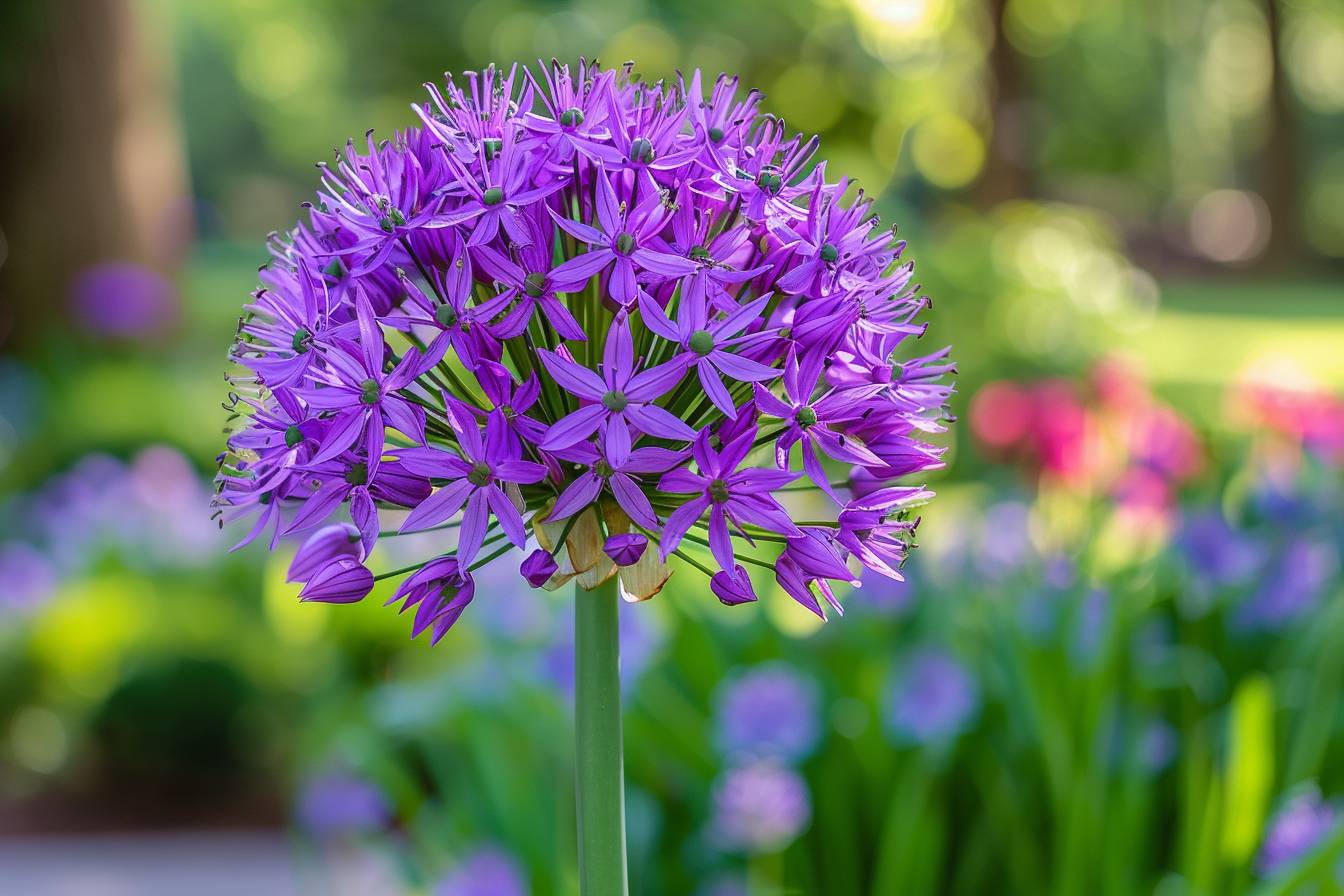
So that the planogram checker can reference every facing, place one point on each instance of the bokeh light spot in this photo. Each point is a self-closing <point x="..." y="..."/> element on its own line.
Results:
<point x="1229" y="225"/>
<point x="947" y="151"/>
<point x="38" y="740"/>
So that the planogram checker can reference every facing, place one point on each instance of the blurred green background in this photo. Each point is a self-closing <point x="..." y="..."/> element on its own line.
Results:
<point x="1116" y="666"/>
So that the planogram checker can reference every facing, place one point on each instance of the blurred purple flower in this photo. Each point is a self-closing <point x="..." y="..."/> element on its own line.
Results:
<point x="1295" y="830"/>
<point x="123" y="300"/>
<point x="27" y="576"/>
<point x="1159" y="743"/>
<point x="883" y="595"/>
<point x="640" y="635"/>
<point x="1292" y="586"/>
<point x="725" y="885"/>
<point x="760" y="808"/>
<point x="1089" y="632"/>
<point x="489" y="871"/>
<point x="1215" y="553"/>
<point x="338" y="803"/>
<point x="931" y="699"/>
<point x="1004" y="543"/>
<point x="770" y="711"/>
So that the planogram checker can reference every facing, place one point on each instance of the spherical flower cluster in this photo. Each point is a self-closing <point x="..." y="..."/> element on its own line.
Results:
<point x="613" y="317"/>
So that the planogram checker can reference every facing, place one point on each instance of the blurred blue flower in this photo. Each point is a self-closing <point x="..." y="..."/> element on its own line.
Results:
<point x="1090" y="626"/>
<point x="1004" y="541"/>
<point x="726" y="884"/>
<point x="1216" y="554"/>
<point x="641" y="637"/>
<point x="489" y="871"/>
<point x="931" y="699"/>
<point x="508" y="608"/>
<point x="769" y="711"/>
<point x="123" y="300"/>
<point x="1295" y="829"/>
<point x="336" y="803"/>
<point x="884" y="596"/>
<point x="1159" y="742"/>
<point x="27" y="576"/>
<point x="760" y="808"/>
<point x="1293" y="585"/>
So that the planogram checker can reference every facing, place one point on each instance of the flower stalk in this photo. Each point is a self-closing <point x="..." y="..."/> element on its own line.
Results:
<point x="598" y="759"/>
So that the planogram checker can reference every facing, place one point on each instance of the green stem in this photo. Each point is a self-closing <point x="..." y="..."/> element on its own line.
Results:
<point x="598" y="762"/>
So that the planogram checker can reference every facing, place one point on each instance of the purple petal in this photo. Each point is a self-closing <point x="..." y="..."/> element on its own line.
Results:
<point x="575" y="427"/>
<point x="572" y="377"/>
<point x="578" y="495"/>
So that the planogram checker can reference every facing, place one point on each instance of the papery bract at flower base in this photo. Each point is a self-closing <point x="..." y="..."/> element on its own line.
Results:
<point x="615" y="303"/>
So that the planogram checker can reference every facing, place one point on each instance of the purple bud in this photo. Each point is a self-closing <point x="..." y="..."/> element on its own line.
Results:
<point x="625" y="550"/>
<point x="538" y="567"/>
<point x="342" y="581"/>
<point x="732" y="589"/>
<point x="325" y="545"/>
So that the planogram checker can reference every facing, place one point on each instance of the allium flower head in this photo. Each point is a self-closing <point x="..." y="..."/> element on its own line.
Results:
<point x="579" y="313"/>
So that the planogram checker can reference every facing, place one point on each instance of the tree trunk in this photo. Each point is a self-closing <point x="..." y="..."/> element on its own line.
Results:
<point x="1006" y="175"/>
<point x="93" y="155"/>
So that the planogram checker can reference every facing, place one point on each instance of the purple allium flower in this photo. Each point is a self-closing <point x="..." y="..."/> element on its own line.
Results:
<point x="439" y="591"/>
<point x="760" y="808"/>
<point x="931" y="699"/>
<point x="477" y="479"/>
<point x="1295" y="830"/>
<point x="769" y="711"/>
<point x="489" y="871"/>
<point x="579" y="295"/>
<point x="337" y="803"/>
<point x="730" y="495"/>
